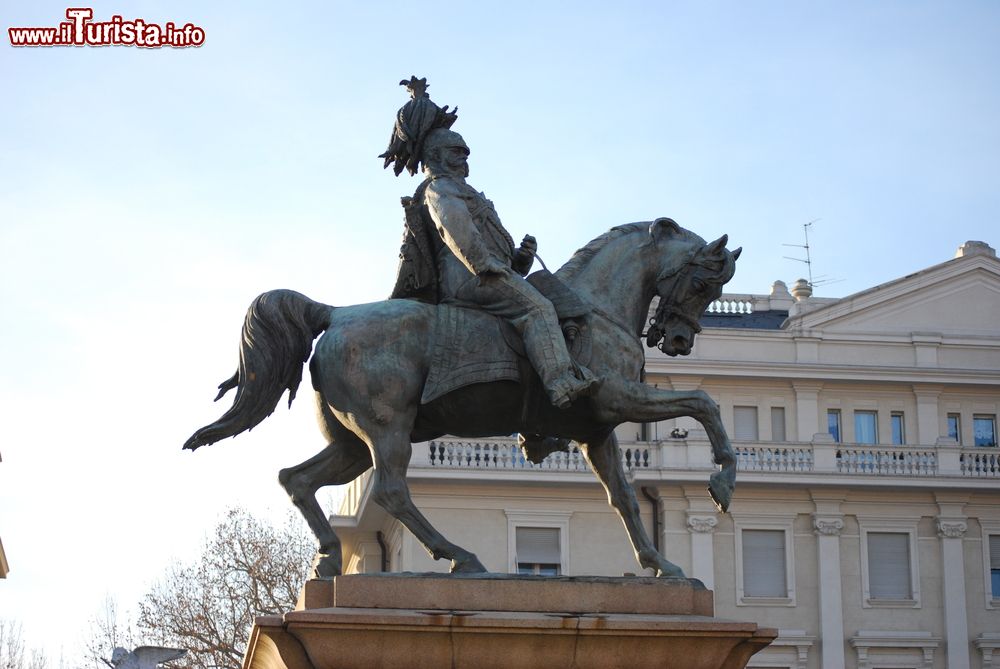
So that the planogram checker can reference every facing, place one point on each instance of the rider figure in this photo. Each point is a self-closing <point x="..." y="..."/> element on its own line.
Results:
<point x="477" y="264"/>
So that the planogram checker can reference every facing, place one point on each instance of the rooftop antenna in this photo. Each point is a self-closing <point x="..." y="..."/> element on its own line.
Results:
<point x="808" y="259"/>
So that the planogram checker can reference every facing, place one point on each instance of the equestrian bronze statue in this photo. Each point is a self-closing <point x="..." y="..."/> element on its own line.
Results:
<point x="469" y="346"/>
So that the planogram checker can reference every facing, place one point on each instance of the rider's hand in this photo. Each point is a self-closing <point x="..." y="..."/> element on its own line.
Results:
<point x="529" y="244"/>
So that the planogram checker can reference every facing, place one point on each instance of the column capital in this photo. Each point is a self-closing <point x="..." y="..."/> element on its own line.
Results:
<point x="702" y="524"/>
<point x="951" y="528"/>
<point x="829" y="526"/>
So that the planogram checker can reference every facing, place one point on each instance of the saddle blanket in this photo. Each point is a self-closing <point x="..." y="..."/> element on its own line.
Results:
<point x="476" y="347"/>
<point x="469" y="347"/>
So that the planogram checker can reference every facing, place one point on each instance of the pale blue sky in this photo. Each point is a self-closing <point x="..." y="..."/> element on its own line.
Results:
<point x="147" y="195"/>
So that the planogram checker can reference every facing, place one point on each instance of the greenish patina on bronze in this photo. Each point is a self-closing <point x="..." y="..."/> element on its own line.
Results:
<point x="371" y="363"/>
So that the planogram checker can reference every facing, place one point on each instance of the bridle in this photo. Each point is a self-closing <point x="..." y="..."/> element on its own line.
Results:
<point x="667" y="309"/>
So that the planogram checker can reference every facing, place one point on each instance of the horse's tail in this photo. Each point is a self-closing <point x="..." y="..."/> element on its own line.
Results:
<point x="277" y="340"/>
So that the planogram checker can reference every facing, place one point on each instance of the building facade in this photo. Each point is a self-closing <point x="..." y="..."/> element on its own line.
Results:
<point x="866" y="521"/>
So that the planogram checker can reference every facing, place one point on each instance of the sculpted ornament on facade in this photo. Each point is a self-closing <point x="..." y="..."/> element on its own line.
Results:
<point x="951" y="529"/>
<point x="830" y="527"/>
<point x="702" y="524"/>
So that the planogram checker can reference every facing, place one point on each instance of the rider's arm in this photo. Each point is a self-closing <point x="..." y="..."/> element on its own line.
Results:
<point x="451" y="216"/>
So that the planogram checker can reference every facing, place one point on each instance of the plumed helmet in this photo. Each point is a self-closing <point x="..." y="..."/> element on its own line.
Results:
<point x="415" y="121"/>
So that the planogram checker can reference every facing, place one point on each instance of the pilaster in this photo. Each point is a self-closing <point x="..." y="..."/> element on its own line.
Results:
<point x="807" y="409"/>
<point x="828" y="522"/>
<point x="951" y="528"/>
<point x="702" y="520"/>
<point x="928" y="425"/>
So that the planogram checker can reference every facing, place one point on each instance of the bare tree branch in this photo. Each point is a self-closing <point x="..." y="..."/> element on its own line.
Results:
<point x="247" y="568"/>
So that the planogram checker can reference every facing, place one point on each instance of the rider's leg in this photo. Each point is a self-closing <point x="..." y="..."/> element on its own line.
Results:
<point x="515" y="299"/>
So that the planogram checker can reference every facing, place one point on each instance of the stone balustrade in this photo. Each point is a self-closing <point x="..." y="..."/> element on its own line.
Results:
<point x="888" y="461"/>
<point x="780" y="458"/>
<point x="772" y="458"/>
<point x="733" y="304"/>
<point x="980" y="462"/>
<point x="503" y="453"/>
<point x="779" y="461"/>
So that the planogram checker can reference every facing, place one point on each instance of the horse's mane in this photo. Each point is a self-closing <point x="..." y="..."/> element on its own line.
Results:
<point x="583" y="255"/>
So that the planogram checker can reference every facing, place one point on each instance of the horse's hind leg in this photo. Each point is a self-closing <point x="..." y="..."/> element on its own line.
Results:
<point x="391" y="451"/>
<point x="605" y="460"/>
<point x="342" y="461"/>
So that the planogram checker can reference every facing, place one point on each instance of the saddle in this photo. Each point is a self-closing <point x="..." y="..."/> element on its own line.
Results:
<point x="476" y="347"/>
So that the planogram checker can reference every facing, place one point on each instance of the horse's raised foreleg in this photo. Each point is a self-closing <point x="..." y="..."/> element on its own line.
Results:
<point x="340" y="462"/>
<point x="619" y="401"/>
<point x="391" y="451"/>
<point x="605" y="460"/>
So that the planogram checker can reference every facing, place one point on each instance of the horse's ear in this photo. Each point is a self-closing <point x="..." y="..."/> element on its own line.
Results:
<point x="663" y="227"/>
<point x="718" y="245"/>
<point x="737" y="252"/>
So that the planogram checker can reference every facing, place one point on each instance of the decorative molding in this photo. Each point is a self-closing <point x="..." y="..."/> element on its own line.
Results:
<point x="829" y="527"/>
<point x="988" y="643"/>
<point x="702" y="524"/>
<point x="951" y="529"/>
<point x="891" y="647"/>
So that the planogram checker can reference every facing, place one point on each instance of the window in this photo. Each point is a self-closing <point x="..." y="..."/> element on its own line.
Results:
<point x="537" y="550"/>
<point x="865" y="427"/>
<point x="994" y="547"/>
<point x="777" y="423"/>
<point x="955" y="427"/>
<point x="764" y="563"/>
<point x="985" y="428"/>
<point x="991" y="561"/>
<point x="745" y="423"/>
<point x="537" y="541"/>
<point x="833" y="423"/>
<point x="898" y="428"/>
<point x="889" y="565"/>
<point x="889" y="570"/>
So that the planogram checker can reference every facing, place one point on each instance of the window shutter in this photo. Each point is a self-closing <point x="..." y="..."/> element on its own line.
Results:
<point x="764" y="563"/>
<point x="994" y="551"/>
<point x="537" y="545"/>
<point x="745" y="419"/>
<point x="889" y="565"/>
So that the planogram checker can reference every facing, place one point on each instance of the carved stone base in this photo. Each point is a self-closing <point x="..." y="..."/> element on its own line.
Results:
<point x="431" y="621"/>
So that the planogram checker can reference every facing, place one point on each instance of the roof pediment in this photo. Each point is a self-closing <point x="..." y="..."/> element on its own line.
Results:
<point x="960" y="297"/>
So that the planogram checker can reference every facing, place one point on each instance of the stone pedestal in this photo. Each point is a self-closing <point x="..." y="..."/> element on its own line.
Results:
<point x="417" y="621"/>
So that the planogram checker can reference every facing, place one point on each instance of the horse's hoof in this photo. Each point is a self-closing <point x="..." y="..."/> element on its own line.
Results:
<point x="467" y="565"/>
<point x="326" y="566"/>
<point x="669" y="570"/>
<point x="721" y="491"/>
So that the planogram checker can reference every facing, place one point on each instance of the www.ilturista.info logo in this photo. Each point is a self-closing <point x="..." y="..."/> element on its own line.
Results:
<point x="80" y="30"/>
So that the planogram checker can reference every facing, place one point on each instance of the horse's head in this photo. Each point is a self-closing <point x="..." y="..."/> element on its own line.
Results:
<point x="692" y="278"/>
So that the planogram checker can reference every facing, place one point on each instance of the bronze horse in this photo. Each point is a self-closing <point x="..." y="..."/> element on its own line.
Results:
<point x="371" y="362"/>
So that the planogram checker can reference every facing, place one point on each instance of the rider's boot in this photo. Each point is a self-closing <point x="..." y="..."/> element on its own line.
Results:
<point x="566" y="388"/>
<point x="564" y="379"/>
